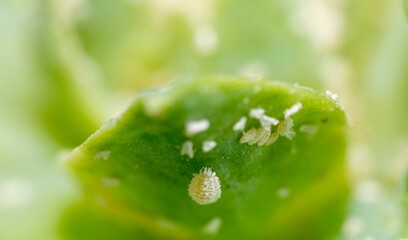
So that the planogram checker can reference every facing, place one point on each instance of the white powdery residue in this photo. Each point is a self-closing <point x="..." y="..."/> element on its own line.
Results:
<point x="293" y="110"/>
<point x="15" y="192"/>
<point x="283" y="192"/>
<point x="205" y="39"/>
<point x="187" y="149"/>
<point x="257" y="113"/>
<point x="308" y="129"/>
<point x="104" y="155"/>
<point x="240" y="125"/>
<point x="267" y="121"/>
<point x="209" y="145"/>
<point x="110" y="182"/>
<point x="332" y="95"/>
<point x="213" y="226"/>
<point x="197" y="126"/>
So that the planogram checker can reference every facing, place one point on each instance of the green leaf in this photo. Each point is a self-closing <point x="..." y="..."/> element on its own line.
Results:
<point x="136" y="177"/>
<point x="405" y="3"/>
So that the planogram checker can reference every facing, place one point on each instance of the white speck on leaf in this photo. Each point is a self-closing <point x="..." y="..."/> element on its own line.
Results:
<point x="104" y="155"/>
<point x="240" y="125"/>
<point x="293" y="110"/>
<point x="308" y="129"/>
<point x="187" y="149"/>
<point x="196" y="126"/>
<point x="257" y="113"/>
<point x="209" y="145"/>
<point x="213" y="226"/>
<point x="332" y="95"/>
<point x="267" y="121"/>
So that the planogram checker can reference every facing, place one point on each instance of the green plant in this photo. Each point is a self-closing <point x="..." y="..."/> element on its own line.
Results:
<point x="281" y="180"/>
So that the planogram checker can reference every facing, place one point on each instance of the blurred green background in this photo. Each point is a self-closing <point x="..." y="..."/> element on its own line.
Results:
<point x="67" y="66"/>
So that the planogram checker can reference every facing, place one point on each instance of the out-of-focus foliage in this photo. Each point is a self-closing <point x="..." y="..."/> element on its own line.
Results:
<point x="66" y="66"/>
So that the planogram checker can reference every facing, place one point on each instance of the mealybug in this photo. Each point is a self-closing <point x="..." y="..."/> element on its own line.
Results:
<point x="205" y="187"/>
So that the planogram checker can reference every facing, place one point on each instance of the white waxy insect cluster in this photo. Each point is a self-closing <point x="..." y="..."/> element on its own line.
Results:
<point x="264" y="135"/>
<point x="205" y="187"/>
<point x="192" y="128"/>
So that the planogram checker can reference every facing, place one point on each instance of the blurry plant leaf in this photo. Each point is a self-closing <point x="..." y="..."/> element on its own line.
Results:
<point x="136" y="178"/>
<point x="405" y="3"/>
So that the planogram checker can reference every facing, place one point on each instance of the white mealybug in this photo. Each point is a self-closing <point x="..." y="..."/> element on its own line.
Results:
<point x="240" y="125"/>
<point x="196" y="126"/>
<point x="205" y="187"/>
<point x="256" y="113"/>
<point x="293" y="110"/>
<point x="208" y="145"/>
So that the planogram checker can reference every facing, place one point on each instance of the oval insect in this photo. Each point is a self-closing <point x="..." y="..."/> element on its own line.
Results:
<point x="205" y="187"/>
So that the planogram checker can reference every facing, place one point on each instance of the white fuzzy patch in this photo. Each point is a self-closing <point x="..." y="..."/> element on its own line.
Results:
<point x="293" y="110"/>
<point x="197" y="126"/>
<point x="187" y="149"/>
<point x="209" y="145"/>
<point x="257" y="113"/>
<point x="240" y="125"/>
<point x="267" y="121"/>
